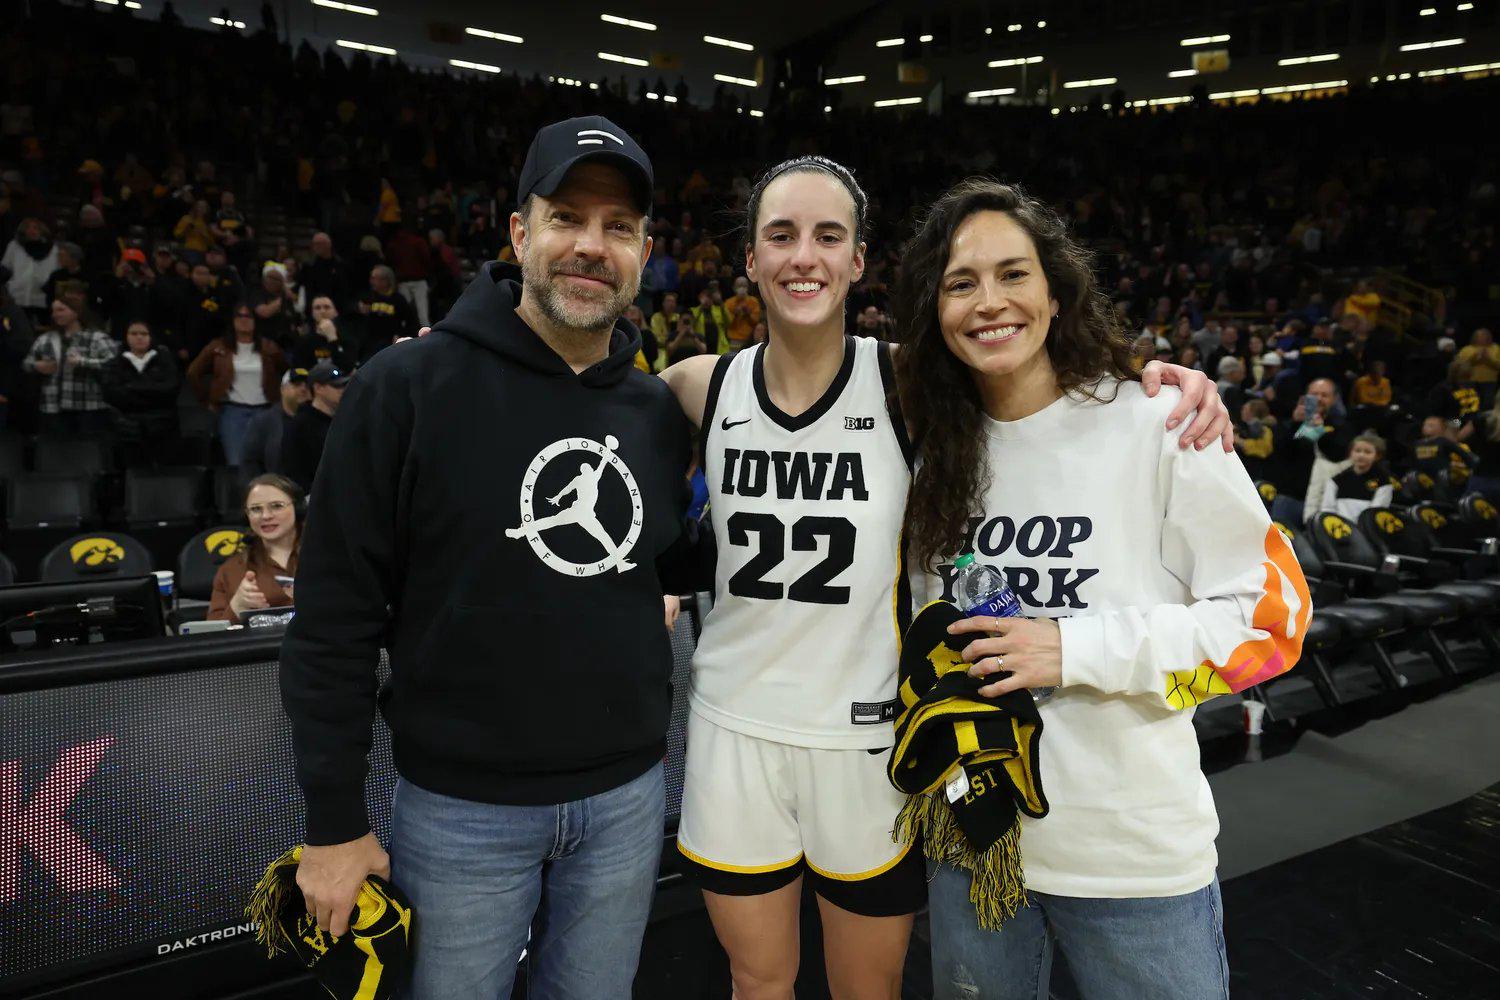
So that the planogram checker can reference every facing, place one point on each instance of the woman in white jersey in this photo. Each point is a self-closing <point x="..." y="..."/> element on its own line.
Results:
<point x="794" y="679"/>
<point x="1154" y="575"/>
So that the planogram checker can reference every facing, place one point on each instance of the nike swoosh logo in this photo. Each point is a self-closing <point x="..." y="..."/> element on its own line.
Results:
<point x="724" y="425"/>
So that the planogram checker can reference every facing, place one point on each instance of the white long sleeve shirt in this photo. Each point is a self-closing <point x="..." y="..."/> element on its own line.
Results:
<point x="1172" y="586"/>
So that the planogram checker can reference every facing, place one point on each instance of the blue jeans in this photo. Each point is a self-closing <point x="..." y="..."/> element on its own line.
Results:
<point x="234" y="419"/>
<point x="1162" y="948"/>
<point x="579" y="876"/>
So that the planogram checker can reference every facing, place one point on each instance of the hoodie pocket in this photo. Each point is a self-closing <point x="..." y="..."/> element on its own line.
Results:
<point x="508" y="688"/>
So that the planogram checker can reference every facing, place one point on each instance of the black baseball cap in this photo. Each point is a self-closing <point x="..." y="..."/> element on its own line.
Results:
<point x="557" y="147"/>
<point x="325" y="373"/>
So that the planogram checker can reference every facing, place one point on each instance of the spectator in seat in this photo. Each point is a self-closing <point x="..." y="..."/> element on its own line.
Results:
<point x="260" y="574"/>
<point x="70" y="358"/>
<point x="711" y="319"/>
<point x="447" y="275"/>
<point x="1231" y="372"/>
<point x="1255" y="439"/>
<point x="195" y="229"/>
<point x="1371" y="397"/>
<point x="275" y="306"/>
<point x="227" y="280"/>
<point x="204" y="316"/>
<point x="1364" y="484"/>
<point x="872" y="322"/>
<point x="685" y="342"/>
<point x="15" y="340"/>
<point x="99" y="246"/>
<point x="1312" y="443"/>
<point x="409" y="256"/>
<point x="327" y="339"/>
<point x="70" y="274"/>
<point x="327" y="273"/>
<point x="387" y="315"/>
<point x="1229" y="347"/>
<point x="302" y="443"/>
<point x="1482" y="434"/>
<point x="236" y="376"/>
<point x="1319" y="357"/>
<point x="744" y="312"/>
<point x="264" y="435"/>
<point x="128" y="298"/>
<point x="31" y="257"/>
<point x="664" y="321"/>
<point x="1436" y="449"/>
<point x="761" y="334"/>
<point x="1483" y="357"/>
<point x="234" y="234"/>
<point x="1457" y="397"/>
<point x="141" y="385"/>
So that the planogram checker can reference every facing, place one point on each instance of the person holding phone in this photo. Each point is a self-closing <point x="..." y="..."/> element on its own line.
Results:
<point x="1313" y="441"/>
<point x="261" y="574"/>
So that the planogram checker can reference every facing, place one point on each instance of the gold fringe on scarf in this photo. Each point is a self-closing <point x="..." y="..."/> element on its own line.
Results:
<point x="269" y="897"/>
<point x="997" y="885"/>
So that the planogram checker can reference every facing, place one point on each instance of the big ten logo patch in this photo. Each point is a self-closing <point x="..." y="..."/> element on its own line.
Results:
<point x="585" y="469"/>
<point x="859" y="423"/>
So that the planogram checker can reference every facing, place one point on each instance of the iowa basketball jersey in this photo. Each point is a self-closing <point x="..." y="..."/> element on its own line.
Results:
<point x="802" y="641"/>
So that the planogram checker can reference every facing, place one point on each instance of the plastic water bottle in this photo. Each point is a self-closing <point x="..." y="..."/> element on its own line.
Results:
<point x="981" y="590"/>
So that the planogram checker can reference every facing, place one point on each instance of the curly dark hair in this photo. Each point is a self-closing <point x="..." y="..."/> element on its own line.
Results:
<point x="938" y="393"/>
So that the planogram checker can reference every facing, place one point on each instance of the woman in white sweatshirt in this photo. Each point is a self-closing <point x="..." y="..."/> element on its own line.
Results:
<point x="1153" y="577"/>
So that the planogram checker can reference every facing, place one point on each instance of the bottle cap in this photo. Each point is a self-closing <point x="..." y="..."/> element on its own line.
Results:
<point x="964" y="560"/>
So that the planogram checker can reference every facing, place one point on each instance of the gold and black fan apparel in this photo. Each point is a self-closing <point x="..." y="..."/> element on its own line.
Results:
<point x="367" y="963"/>
<point x="944" y="725"/>
<point x="521" y="673"/>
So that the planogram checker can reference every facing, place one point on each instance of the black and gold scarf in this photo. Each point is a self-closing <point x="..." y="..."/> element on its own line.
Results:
<point x="368" y="963"/>
<point x="969" y="763"/>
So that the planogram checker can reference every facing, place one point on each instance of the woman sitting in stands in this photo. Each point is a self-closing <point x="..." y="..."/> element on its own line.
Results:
<point x="260" y="574"/>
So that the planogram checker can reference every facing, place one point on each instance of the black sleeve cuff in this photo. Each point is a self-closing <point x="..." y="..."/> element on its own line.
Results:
<point x="335" y="816"/>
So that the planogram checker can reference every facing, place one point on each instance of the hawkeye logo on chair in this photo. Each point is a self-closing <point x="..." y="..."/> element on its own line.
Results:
<point x="96" y="555"/>
<point x="223" y="544"/>
<point x="1389" y="523"/>
<point x="595" y="460"/>
<point x="1336" y="526"/>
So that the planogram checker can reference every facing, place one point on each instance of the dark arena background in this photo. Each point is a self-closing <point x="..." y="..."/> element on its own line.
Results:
<point x="1281" y="194"/>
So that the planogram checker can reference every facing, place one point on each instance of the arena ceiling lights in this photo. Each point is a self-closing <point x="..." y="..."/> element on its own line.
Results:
<point x="1451" y="70"/>
<point x="889" y="43"/>
<point x="838" y="81"/>
<point x="498" y="36"/>
<point x="1443" y="44"/>
<point x="896" y="102"/>
<point x="365" y="47"/>
<point x="729" y="43"/>
<point x="1303" y="60"/>
<point x="1023" y="61"/>
<point x="1177" y="74"/>
<point x="1295" y="88"/>
<point x="481" y="67"/>
<point x="627" y="22"/>
<point x="653" y="96"/>
<point x="1103" y="81"/>
<point x="348" y="8"/>
<point x="739" y="80"/>
<point x="627" y="60"/>
<point x="1203" y="40"/>
<point x="221" y="22"/>
<point x="128" y="3"/>
<point x="975" y="95"/>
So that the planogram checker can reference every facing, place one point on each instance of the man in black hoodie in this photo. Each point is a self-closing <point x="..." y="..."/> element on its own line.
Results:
<point x="500" y="505"/>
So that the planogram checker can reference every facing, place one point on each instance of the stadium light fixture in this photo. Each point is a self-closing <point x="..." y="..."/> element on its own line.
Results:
<point x="1103" y="81"/>
<point x="231" y="24"/>
<point x="1465" y="6"/>
<point x="1203" y="40"/>
<point x="729" y="43"/>
<point x="1179" y="73"/>
<point x="1440" y="44"/>
<point x="1041" y="24"/>
<point x="895" y="102"/>
<point x="997" y="92"/>
<point x="1012" y="27"/>
<point x="1304" y="60"/>
<point x="498" y="36"/>
<point x="366" y="47"/>
<point x="1057" y="111"/>
<point x="924" y="39"/>
<point x="131" y="4"/>
<point x="886" y="43"/>
<point x="1449" y="71"/>
<point x="1427" y="11"/>
<point x="839" y="81"/>
<point x="989" y="31"/>
<point x="667" y="98"/>
<point x="627" y="60"/>
<point x="741" y="81"/>
<point x="481" y="67"/>
<point x="1023" y="61"/>
<point x="757" y="113"/>
<point x="348" y="8"/>
<point x="627" y="22"/>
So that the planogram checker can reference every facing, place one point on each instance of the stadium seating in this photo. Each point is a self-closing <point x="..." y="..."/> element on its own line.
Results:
<point x="201" y="558"/>
<point x="93" y="554"/>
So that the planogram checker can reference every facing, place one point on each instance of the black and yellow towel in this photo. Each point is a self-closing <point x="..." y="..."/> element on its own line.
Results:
<point x="969" y="763"/>
<point x="368" y="963"/>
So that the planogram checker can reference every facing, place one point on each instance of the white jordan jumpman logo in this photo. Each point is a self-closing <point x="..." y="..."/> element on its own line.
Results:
<point x="582" y="511"/>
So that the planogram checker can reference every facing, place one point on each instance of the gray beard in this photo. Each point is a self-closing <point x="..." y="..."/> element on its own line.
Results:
<point x="564" y="312"/>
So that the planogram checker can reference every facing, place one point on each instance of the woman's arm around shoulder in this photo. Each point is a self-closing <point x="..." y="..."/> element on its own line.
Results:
<point x="689" y="380"/>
